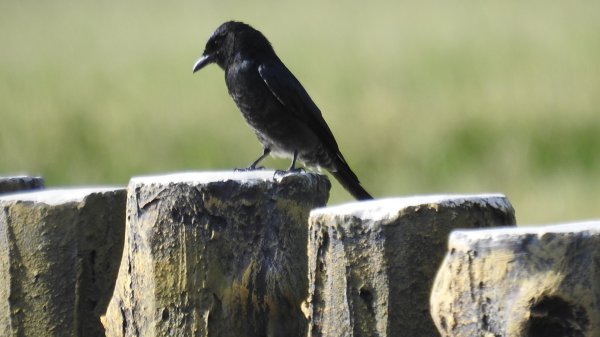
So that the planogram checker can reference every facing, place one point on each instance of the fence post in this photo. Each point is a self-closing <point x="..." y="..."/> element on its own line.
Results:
<point x="372" y="264"/>
<point x="59" y="256"/>
<point x="520" y="282"/>
<point x="215" y="254"/>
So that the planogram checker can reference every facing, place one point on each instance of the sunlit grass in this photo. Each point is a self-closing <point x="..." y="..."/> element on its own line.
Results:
<point x="423" y="96"/>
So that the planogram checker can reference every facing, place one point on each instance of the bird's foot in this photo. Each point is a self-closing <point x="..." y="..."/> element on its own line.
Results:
<point x="288" y="171"/>
<point x="249" y="168"/>
<point x="296" y="170"/>
<point x="279" y="173"/>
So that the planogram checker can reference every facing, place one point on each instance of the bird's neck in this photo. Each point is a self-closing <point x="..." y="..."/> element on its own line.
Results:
<point x="248" y="54"/>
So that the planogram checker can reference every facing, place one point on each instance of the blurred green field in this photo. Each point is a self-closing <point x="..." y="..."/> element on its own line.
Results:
<point x="423" y="96"/>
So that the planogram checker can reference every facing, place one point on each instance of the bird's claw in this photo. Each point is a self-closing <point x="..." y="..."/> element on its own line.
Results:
<point x="289" y="171"/>
<point x="279" y="173"/>
<point x="249" y="168"/>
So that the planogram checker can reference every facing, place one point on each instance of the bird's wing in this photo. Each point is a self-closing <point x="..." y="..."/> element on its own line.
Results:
<point x="290" y="93"/>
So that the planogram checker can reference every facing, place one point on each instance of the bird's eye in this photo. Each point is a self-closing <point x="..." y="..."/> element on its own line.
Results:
<point x="216" y="43"/>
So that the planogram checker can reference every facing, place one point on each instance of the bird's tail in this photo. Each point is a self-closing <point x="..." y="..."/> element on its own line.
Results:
<point x="348" y="179"/>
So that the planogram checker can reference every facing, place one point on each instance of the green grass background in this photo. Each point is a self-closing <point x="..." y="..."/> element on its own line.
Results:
<point x="423" y="96"/>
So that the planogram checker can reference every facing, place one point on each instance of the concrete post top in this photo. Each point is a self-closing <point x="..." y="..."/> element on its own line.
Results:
<point x="380" y="209"/>
<point x="57" y="196"/>
<point x="215" y="176"/>
<point x="495" y="236"/>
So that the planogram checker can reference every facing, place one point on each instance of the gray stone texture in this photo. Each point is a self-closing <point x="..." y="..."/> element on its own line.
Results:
<point x="215" y="254"/>
<point x="59" y="257"/>
<point x="520" y="282"/>
<point x="372" y="264"/>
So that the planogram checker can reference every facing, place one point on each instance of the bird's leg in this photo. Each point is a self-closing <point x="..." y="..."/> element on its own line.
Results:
<point x="252" y="166"/>
<point x="265" y="153"/>
<point x="292" y="168"/>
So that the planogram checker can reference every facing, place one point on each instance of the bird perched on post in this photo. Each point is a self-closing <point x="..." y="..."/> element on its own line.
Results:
<point x="283" y="116"/>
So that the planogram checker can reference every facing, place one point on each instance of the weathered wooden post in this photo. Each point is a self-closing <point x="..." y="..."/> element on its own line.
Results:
<point x="215" y="254"/>
<point x="372" y="264"/>
<point x="520" y="282"/>
<point x="59" y="256"/>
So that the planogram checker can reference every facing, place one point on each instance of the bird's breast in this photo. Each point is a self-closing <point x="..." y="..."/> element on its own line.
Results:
<point x="275" y="126"/>
<point x="248" y="91"/>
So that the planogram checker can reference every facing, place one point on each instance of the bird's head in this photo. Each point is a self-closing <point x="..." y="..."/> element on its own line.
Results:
<point x="229" y="39"/>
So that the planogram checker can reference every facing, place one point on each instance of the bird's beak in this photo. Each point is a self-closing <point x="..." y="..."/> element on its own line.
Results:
<point x="202" y="61"/>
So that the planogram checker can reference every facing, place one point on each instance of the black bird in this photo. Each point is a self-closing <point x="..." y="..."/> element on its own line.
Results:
<point x="284" y="118"/>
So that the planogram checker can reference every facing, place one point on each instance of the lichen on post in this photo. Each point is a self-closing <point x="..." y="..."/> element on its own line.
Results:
<point x="215" y="254"/>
